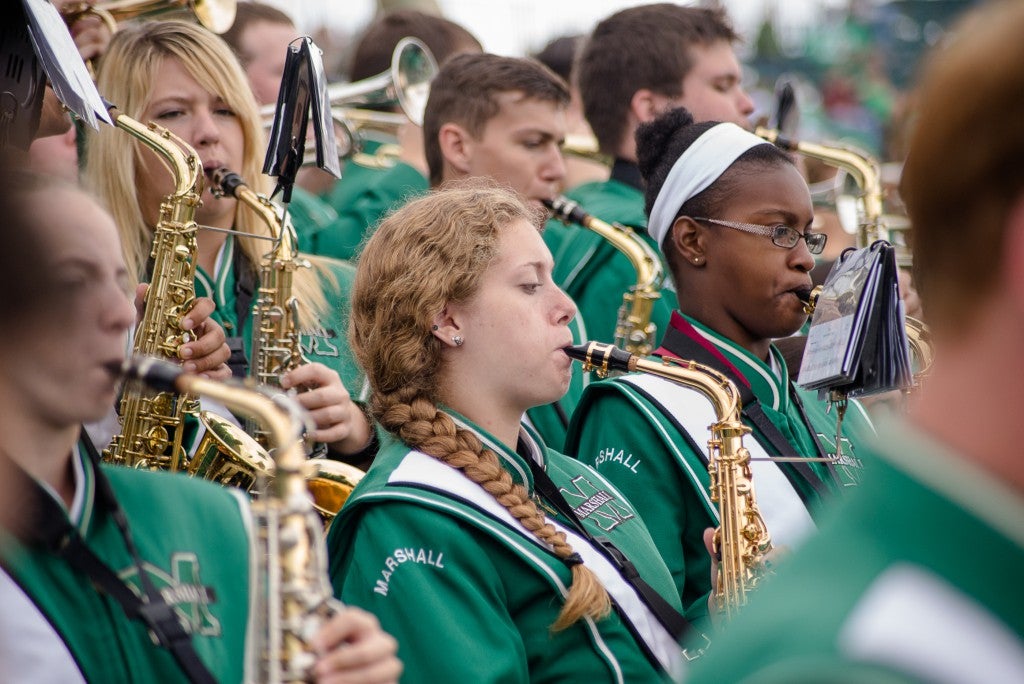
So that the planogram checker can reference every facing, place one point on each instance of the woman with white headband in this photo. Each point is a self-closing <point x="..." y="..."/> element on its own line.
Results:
<point x="732" y="215"/>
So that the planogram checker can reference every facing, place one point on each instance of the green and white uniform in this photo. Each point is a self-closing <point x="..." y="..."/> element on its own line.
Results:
<point x="593" y="272"/>
<point x="193" y="539"/>
<point x="649" y="437"/>
<point x="326" y="343"/>
<point x="470" y="594"/>
<point x="913" y="578"/>
<point x="309" y="215"/>
<point x="360" y="208"/>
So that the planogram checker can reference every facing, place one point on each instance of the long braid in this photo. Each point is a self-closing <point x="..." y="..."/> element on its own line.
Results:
<point x="430" y="252"/>
<point x="421" y="425"/>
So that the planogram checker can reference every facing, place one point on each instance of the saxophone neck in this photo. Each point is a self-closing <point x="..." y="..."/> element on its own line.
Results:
<point x="181" y="160"/>
<point x="863" y="167"/>
<point x="278" y="224"/>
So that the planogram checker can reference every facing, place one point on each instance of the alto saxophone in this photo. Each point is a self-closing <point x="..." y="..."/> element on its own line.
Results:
<point x="276" y="346"/>
<point x="293" y="593"/>
<point x="741" y="540"/>
<point x="152" y="422"/>
<point x="634" y="330"/>
<point x="276" y="333"/>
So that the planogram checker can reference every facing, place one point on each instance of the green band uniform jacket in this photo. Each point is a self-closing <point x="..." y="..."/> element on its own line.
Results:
<point x="470" y="594"/>
<point x="914" y="577"/>
<point x="649" y="436"/>
<point x="326" y="343"/>
<point x="361" y="199"/>
<point x="192" y="536"/>
<point x="596" y="274"/>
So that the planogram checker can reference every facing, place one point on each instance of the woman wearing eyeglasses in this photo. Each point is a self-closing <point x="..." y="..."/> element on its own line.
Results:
<point x="732" y="216"/>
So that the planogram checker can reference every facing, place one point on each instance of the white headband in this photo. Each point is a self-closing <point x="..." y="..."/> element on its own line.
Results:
<point x="701" y="165"/>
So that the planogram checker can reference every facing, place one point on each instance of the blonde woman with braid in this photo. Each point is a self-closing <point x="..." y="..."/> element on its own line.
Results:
<point x="187" y="80"/>
<point x="467" y="529"/>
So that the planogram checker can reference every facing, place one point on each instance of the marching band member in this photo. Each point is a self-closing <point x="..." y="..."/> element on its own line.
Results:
<point x="913" y="577"/>
<point x="504" y="118"/>
<point x="732" y="216"/>
<point x="366" y="193"/>
<point x="184" y="78"/>
<point x="636" y="64"/>
<point x="467" y="529"/>
<point x="90" y="543"/>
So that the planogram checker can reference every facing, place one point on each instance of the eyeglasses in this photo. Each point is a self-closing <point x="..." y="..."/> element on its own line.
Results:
<point x="781" y="235"/>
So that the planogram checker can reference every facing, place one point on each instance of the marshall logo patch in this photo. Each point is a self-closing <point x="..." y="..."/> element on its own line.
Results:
<point x="588" y="501"/>
<point x="183" y="589"/>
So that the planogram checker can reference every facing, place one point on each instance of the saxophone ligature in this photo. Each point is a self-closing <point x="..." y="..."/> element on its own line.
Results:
<point x="293" y="596"/>
<point x="742" y="539"/>
<point x="276" y="331"/>
<point x="634" y="330"/>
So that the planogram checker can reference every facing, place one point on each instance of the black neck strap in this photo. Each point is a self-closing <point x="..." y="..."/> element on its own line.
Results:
<point x="670" y="618"/>
<point x="50" y="529"/>
<point x="682" y="345"/>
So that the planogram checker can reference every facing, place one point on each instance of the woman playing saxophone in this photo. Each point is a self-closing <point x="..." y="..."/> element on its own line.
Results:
<point x="186" y="79"/>
<point x="183" y="547"/>
<point x="732" y="217"/>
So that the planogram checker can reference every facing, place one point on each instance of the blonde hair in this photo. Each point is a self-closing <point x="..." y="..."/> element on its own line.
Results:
<point x="430" y="252"/>
<point x="127" y="73"/>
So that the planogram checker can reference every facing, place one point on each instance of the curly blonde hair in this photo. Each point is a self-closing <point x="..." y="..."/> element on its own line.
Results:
<point x="430" y="252"/>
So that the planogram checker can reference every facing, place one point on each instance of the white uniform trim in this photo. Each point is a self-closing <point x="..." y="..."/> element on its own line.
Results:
<point x="783" y="510"/>
<point x="420" y="469"/>
<point x="30" y="648"/>
<point x="916" y="622"/>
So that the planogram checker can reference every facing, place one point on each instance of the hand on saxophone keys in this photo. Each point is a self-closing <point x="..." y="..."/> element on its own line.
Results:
<point x="340" y="422"/>
<point x="206" y="353"/>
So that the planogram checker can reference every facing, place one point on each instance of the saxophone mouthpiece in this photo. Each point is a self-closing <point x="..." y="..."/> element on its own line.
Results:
<point x="159" y="374"/>
<point x="601" y="357"/>
<point x="809" y="297"/>
<point x="224" y="181"/>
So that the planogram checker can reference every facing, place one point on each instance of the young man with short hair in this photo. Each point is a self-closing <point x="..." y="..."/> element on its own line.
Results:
<point x="637" y="64"/>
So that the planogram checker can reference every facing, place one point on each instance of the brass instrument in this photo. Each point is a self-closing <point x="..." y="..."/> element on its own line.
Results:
<point x="919" y="337"/>
<point x="585" y="147"/>
<point x="215" y="15"/>
<point x="293" y="595"/>
<point x="276" y="334"/>
<point x="634" y="330"/>
<point x="864" y="169"/>
<point x="406" y="84"/>
<point x="742" y="538"/>
<point x="152" y="423"/>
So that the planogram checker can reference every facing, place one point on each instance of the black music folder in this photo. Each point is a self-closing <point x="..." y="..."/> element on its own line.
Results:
<point x="857" y="341"/>
<point x="303" y="85"/>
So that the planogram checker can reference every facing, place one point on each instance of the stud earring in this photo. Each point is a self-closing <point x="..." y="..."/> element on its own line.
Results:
<point x="457" y="340"/>
<point x="433" y="327"/>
